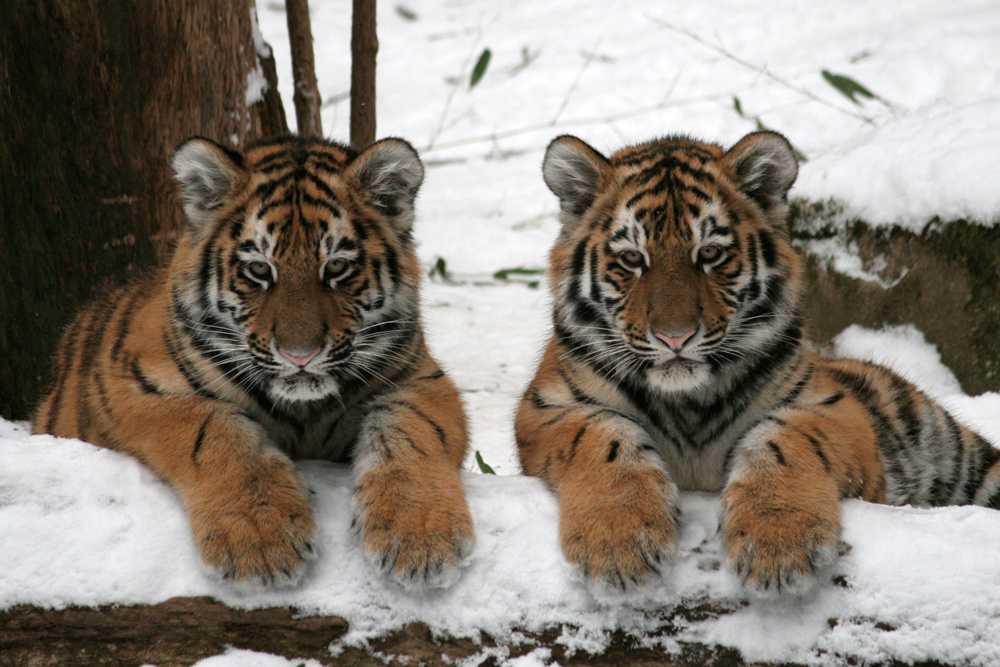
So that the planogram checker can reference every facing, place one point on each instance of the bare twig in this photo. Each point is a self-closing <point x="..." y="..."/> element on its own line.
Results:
<point x="664" y="103"/>
<point x="588" y="58"/>
<point x="306" y="96"/>
<point x="555" y="122"/>
<point x="454" y="88"/>
<point x="757" y="68"/>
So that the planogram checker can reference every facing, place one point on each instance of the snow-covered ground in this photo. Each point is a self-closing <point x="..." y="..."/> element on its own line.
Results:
<point x="80" y="525"/>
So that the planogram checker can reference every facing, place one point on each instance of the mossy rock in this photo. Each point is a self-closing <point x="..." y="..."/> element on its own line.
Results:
<point x="945" y="280"/>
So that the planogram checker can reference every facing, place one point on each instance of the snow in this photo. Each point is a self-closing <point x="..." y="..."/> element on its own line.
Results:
<point x="952" y="176"/>
<point x="85" y="526"/>
<point x="256" y="85"/>
<point x="242" y="658"/>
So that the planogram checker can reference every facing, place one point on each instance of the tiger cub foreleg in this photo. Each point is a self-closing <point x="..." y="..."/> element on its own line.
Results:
<point x="616" y="503"/>
<point x="409" y="503"/>
<point x="245" y="500"/>
<point x="781" y="506"/>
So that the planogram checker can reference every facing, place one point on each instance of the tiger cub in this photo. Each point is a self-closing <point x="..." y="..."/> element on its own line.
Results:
<point x="286" y="325"/>
<point x="679" y="360"/>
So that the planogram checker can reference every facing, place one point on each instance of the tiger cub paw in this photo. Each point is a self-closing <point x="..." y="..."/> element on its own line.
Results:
<point x="779" y="552"/>
<point x="618" y="549"/>
<point x="418" y="539"/>
<point x="259" y="532"/>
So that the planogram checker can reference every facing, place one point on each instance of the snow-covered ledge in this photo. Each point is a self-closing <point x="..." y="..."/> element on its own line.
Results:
<point x="84" y="526"/>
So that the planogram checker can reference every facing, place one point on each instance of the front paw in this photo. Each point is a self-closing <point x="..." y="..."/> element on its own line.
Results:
<point x="778" y="550"/>
<point x="256" y="529"/>
<point x="618" y="548"/>
<point x="418" y="533"/>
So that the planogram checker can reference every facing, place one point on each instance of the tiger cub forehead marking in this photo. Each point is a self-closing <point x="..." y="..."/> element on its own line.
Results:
<point x="327" y="236"/>
<point x="670" y="188"/>
<point x="301" y="207"/>
<point x="630" y="229"/>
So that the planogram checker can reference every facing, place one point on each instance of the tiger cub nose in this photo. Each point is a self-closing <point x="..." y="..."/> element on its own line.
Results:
<point x="299" y="357"/>
<point x="675" y="343"/>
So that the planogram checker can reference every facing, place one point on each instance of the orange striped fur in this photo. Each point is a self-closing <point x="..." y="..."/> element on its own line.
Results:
<point x="679" y="359"/>
<point x="286" y="326"/>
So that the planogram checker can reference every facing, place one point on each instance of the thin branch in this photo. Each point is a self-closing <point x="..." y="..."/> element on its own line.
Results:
<point x="454" y="88"/>
<point x="665" y="103"/>
<point x="757" y="68"/>
<point x="588" y="58"/>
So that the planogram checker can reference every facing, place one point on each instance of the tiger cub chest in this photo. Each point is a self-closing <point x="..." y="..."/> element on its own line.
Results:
<point x="696" y="441"/>
<point x="328" y="434"/>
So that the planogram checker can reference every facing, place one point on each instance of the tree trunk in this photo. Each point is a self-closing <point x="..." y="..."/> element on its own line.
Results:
<point x="94" y="97"/>
<point x="364" y="47"/>
<point x="306" y="96"/>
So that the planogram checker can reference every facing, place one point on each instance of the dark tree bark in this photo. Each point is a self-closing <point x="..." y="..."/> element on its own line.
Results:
<point x="94" y="97"/>
<point x="182" y="631"/>
<point x="306" y="96"/>
<point x="270" y="109"/>
<point x="364" y="47"/>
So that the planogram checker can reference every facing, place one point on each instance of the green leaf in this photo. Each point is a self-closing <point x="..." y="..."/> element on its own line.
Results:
<point x="482" y="464"/>
<point x="480" y="69"/>
<point x="440" y="270"/>
<point x="505" y="274"/>
<point x="738" y="106"/>
<point x="847" y="86"/>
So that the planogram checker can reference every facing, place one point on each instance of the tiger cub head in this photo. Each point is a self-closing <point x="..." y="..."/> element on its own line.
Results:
<point x="673" y="261"/>
<point x="296" y="274"/>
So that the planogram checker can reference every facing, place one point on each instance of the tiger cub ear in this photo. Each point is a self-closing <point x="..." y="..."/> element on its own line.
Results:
<point x="206" y="174"/>
<point x="390" y="173"/>
<point x="574" y="171"/>
<point x="765" y="167"/>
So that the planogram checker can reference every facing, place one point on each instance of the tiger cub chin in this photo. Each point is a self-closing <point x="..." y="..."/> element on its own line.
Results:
<point x="287" y="325"/>
<point x="679" y="360"/>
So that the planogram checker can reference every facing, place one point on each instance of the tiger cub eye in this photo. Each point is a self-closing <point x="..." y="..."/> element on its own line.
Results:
<point x="632" y="259"/>
<point x="260" y="270"/>
<point x="709" y="253"/>
<point x="336" y="268"/>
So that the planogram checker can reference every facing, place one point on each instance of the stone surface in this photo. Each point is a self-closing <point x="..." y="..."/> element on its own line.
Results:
<point x="945" y="281"/>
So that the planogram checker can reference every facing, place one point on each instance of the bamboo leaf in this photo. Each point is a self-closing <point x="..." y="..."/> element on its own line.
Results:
<point x="505" y="274"/>
<point x="480" y="69"/>
<point x="440" y="270"/>
<point x="847" y="86"/>
<point x="482" y="464"/>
